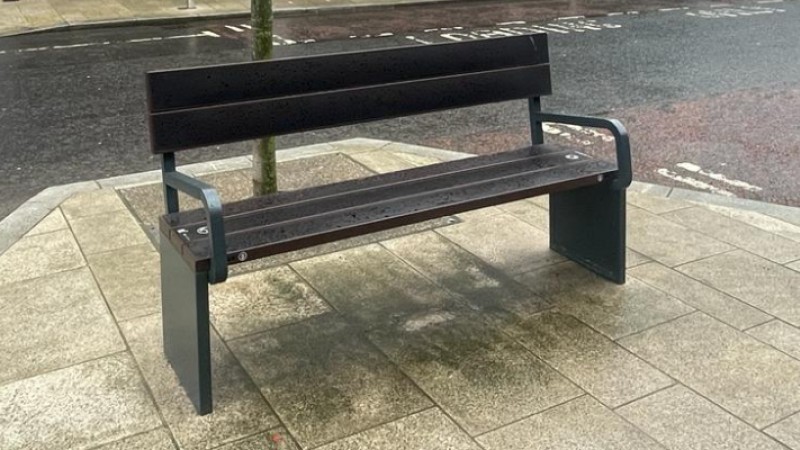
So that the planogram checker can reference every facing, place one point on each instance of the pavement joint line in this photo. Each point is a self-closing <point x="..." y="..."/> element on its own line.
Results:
<point x="14" y="226"/>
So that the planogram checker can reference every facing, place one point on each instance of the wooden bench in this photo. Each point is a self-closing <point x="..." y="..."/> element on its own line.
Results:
<point x="205" y="106"/>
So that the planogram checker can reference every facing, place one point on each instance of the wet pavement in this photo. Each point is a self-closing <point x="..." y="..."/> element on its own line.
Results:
<point x="432" y="337"/>
<point x="709" y="92"/>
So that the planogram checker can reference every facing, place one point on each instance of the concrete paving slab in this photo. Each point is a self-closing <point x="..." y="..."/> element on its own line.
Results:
<point x="52" y="222"/>
<point x="78" y="407"/>
<point x="130" y="280"/>
<point x="529" y="212"/>
<point x="239" y="409"/>
<point x="739" y="234"/>
<point x="40" y="255"/>
<point x="349" y="281"/>
<point x="157" y="439"/>
<point x="582" y="423"/>
<point x="780" y="335"/>
<point x="794" y="266"/>
<point x="764" y="222"/>
<point x="107" y="232"/>
<point x="681" y="420"/>
<point x="458" y="271"/>
<point x="53" y="322"/>
<point x="259" y="301"/>
<point x="514" y="246"/>
<point x="667" y="242"/>
<point x="655" y="204"/>
<point x="724" y="365"/>
<point x="323" y="169"/>
<point x="277" y="439"/>
<point x="429" y="429"/>
<point x="92" y="203"/>
<point x="723" y="307"/>
<point x="614" y="310"/>
<point x="382" y="162"/>
<point x="787" y="431"/>
<point x="769" y="287"/>
<point x="633" y="259"/>
<point x="480" y="377"/>
<point x="592" y="361"/>
<point x="325" y="380"/>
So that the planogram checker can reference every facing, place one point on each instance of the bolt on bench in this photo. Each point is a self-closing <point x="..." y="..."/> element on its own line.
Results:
<point x="204" y="106"/>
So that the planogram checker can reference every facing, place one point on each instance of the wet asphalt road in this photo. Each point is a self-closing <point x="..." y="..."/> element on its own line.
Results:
<point x="711" y="96"/>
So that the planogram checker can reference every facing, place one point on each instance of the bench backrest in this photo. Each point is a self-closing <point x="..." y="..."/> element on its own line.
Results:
<point x="202" y="106"/>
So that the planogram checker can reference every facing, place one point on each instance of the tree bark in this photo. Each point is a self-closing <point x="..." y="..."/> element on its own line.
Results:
<point x="265" y="177"/>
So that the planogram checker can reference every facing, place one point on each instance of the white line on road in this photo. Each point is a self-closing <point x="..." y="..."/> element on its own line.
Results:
<point x="571" y="18"/>
<point x="417" y="40"/>
<point x="515" y="22"/>
<point x="233" y="28"/>
<point x="244" y="25"/>
<point x="210" y="34"/>
<point x="693" y="182"/>
<point x="717" y="176"/>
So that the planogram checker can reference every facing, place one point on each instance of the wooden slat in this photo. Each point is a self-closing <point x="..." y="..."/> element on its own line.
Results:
<point x="182" y="129"/>
<point x="232" y="83"/>
<point x="197" y="217"/>
<point x="392" y="212"/>
<point x="449" y="180"/>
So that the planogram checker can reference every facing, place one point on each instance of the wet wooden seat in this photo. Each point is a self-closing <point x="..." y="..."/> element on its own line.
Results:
<point x="205" y="106"/>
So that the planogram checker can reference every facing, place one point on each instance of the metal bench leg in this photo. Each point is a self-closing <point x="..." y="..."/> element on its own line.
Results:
<point x="587" y="225"/>
<point x="184" y="300"/>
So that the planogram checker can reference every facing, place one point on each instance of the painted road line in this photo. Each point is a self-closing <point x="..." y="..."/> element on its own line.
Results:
<point x="694" y="182"/>
<point x="210" y="34"/>
<point x="246" y="26"/>
<point x="418" y="40"/>
<point x="718" y="176"/>
<point x="515" y="22"/>
<point x="233" y="28"/>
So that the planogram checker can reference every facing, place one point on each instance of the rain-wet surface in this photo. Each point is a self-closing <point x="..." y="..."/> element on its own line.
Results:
<point x="710" y="95"/>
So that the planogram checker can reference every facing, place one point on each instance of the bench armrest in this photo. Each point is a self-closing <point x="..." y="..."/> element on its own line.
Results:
<point x="624" y="165"/>
<point x="212" y="204"/>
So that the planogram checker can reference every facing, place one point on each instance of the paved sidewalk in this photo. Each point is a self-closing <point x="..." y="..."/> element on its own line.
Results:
<point x="30" y="15"/>
<point x="461" y="333"/>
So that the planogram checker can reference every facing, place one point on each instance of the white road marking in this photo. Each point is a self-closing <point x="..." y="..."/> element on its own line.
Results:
<point x="612" y="14"/>
<point x="670" y="9"/>
<point x="516" y="22"/>
<point x="385" y="35"/>
<point x="693" y="182"/>
<point x="244" y="25"/>
<point x="417" y="40"/>
<point x="136" y="41"/>
<point x="769" y="1"/>
<point x="571" y="18"/>
<point x="718" y="176"/>
<point x="233" y="28"/>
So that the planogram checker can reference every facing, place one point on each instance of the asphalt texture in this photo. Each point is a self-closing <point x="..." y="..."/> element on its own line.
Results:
<point x="711" y="96"/>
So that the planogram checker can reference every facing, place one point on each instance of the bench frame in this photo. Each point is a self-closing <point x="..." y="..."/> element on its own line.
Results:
<point x="587" y="226"/>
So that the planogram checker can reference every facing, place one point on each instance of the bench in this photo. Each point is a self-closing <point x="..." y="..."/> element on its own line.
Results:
<point x="205" y="106"/>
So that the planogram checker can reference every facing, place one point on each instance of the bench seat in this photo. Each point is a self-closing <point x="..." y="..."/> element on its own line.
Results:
<point x="263" y="226"/>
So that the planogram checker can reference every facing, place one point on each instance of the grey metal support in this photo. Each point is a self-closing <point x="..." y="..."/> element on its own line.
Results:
<point x="624" y="164"/>
<point x="170" y="193"/>
<point x="216" y="229"/>
<point x="587" y="225"/>
<point x="534" y="108"/>
<point x="187" y="344"/>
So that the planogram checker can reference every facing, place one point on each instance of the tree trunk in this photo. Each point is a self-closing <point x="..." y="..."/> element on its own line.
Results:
<point x="265" y="177"/>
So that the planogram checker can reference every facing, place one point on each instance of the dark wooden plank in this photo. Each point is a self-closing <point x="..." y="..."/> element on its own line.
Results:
<point x="190" y="218"/>
<point x="412" y="186"/>
<point x="183" y="129"/>
<point x="233" y="83"/>
<point x="341" y="224"/>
